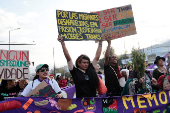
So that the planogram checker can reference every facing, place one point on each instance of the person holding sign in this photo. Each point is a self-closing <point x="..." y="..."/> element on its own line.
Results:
<point x="112" y="73"/>
<point x="84" y="74"/>
<point x="10" y="89"/>
<point x="42" y="75"/>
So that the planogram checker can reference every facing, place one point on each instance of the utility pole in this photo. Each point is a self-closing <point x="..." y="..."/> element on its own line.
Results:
<point x="9" y="35"/>
<point x="54" y="61"/>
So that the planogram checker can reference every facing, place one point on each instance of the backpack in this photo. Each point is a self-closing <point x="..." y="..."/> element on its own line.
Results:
<point x="164" y="80"/>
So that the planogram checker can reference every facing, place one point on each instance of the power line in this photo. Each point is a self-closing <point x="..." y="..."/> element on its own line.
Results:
<point x="17" y="44"/>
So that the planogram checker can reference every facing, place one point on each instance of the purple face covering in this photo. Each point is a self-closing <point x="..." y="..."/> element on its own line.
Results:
<point x="46" y="80"/>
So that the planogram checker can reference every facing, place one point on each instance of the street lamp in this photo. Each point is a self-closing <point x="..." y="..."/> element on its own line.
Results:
<point x="9" y="36"/>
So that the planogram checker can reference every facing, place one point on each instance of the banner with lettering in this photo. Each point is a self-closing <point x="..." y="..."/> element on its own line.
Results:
<point x="14" y="64"/>
<point x="149" y="103"/>
<point x="117" y="22"/>
<point x="76" y="26"/>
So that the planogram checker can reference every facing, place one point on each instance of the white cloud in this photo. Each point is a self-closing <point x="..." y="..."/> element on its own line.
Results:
<point x="151" y="21"/>
<point x="25" y="2"/>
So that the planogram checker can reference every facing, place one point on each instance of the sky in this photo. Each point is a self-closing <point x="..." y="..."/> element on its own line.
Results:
<point x="37" y="22"/>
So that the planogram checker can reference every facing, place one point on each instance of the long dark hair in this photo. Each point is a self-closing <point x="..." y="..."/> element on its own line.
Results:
<point x="4" y="83"/>
<point x="36" y="77"/>
<point x="58" y="78"/>
<point x="91" y="72"/>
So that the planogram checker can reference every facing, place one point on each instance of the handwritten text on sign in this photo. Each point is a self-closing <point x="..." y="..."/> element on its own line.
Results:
<point x="78" y="26"/>
<point x="14" y="64"/>
<point x="117" y="22"/>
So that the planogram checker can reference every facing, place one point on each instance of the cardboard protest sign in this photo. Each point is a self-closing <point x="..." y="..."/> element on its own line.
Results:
<point x="47" y="91"/>
<point x="42" y="85"/>
<point x="76" y="26"/>
<point x="14" y="64"/>
<point x="117" y="22"/>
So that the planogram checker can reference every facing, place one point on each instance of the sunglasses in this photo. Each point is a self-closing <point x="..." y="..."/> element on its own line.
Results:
<point x="43" y="69"/>
<point x="86" y="77"/>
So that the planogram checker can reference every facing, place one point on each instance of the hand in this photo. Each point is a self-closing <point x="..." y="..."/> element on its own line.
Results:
<point x="60" y="39"/>
<point x="100" y="42"/>
<point x="59" y="96"/>
<point x="166" y="87"/>
<point x="154" y="81"/>
<point x="141" y="80"/>
<point x="103" y="37"/>
<point x="108" y="40"/>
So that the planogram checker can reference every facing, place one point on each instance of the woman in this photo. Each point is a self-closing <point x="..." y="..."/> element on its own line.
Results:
<point x="42" y="74"/>
<point x="58" y="79"/>
<point x="161" y="70"/>
<point x="112" y="73"/>
<point x="97" y="69"/>
<point x="63" y="82"/>
<point x="130" y="72"/>
<point x="122" y="80"/>
<point x="84" y="74"/>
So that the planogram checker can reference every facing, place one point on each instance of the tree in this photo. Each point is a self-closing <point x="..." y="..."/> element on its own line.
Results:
<point x="62" y="71"/>
<point x="112" y="51"/>
<point x="124" y="56"/>
<point x="138" y="61"/>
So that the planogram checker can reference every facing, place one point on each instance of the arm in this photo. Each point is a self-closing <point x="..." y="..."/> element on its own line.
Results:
<point x="60" y="83"/>
<point x="107" y="53"/>
<point x="65" y="51"/>
<point x="57" y="89"/>
<point x="98" y="52"/>
<point x="155" y="74"/>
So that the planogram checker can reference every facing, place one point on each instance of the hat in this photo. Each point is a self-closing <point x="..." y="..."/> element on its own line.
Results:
<point x="51" y="75"/>
<point x="157" y="58"/>
<point x="40" y="66"/>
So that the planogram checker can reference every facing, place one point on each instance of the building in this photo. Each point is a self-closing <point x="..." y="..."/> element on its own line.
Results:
<point x="151" y="52"/>
<point x="156" y="50"/>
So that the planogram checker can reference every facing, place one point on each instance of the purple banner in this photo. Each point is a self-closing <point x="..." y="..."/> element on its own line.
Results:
<point x="150" y="103"/>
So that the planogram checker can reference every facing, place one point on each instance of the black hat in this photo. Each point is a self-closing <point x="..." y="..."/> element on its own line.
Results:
<point x="157" y="58"/>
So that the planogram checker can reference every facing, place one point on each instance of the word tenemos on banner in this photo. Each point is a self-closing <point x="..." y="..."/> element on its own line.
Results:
<point x="75" y="26"/>
<point x="14" y="64"/>
<point x="117" y="22"/>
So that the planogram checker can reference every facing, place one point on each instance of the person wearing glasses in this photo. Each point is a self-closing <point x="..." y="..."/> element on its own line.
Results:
<point x="84" y="74"/>
<point x="42" y="74"/>
<point x="112" y="73"/>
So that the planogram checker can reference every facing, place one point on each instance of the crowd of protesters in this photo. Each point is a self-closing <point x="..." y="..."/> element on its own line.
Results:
<point x="84" y="75"/>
